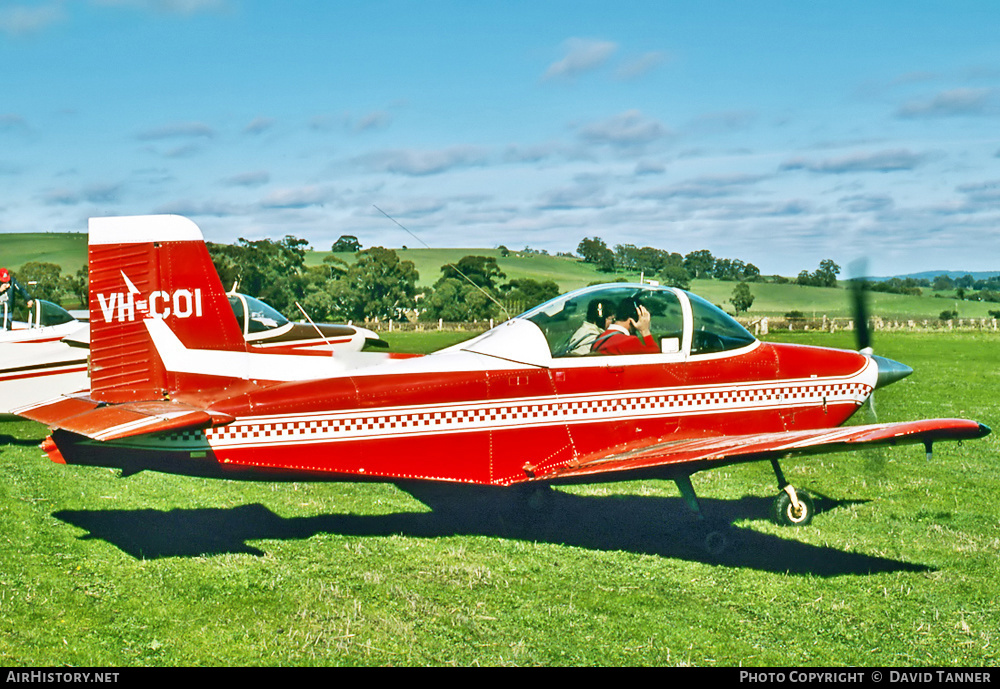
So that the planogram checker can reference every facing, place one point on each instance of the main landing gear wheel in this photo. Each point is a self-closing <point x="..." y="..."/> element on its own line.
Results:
<point x="716" y="541"/>
<point x="793" y="508"/>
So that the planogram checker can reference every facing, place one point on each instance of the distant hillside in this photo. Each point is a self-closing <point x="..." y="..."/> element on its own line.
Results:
<point x="568" y="273"/>
<point x="69" y="250"/>
<point x="931" y="274"/>
<point x="66" y="249"/>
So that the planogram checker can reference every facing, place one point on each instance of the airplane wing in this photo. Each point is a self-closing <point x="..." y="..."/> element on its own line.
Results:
<point x="671" y="458"/>
<point x="84" y="416"/>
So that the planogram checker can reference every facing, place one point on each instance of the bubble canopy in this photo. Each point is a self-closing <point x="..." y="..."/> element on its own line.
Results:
<point x="683" y="324"/>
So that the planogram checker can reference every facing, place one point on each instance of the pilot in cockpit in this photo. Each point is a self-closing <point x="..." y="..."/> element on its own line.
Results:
<point x="630" y="333"/>
<point x="600" y="314"/>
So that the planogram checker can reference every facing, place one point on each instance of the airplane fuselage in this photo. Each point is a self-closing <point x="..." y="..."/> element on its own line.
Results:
<point x="447" y="417"/>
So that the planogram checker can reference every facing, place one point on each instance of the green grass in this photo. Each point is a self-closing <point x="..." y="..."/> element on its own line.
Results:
<point x="899" y="567"/>
<point x="427" y="341"/>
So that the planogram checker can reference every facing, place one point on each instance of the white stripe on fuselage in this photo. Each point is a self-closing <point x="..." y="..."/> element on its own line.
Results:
<point x="262" y="366"/>
<point x="508" y="414"/>
<point x="469" y="416"/>
<point x="177" y="358"/>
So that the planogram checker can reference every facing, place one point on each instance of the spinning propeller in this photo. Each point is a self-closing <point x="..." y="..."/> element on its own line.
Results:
<point x="889" y="371"/>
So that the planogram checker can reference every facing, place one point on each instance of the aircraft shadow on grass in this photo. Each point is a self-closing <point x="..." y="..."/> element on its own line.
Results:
<point x="11" y="441"/>
<point x="638" y="524"/>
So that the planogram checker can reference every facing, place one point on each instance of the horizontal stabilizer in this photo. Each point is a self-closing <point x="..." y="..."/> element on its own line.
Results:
<point x="86" y="417"/>
<point x="664" y="459"/>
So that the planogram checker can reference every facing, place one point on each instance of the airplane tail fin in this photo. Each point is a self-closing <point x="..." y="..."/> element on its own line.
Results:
<point x="151" y="267"/>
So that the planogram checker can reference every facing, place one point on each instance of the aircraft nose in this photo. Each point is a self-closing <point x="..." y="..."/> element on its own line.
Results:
<point x="889" y="371"/>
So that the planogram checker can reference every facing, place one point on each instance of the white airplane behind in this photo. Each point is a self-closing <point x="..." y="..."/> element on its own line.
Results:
<point x="47" y="356"/>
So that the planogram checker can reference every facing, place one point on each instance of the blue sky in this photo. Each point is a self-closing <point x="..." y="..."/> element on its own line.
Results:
<point x="780" y="133"/>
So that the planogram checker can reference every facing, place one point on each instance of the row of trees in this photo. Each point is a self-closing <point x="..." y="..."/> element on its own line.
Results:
<point x="675" y="270"/>
<point x="44" y="280"/>
<point x="377" y="284"/>
<point x="472" y="290"/>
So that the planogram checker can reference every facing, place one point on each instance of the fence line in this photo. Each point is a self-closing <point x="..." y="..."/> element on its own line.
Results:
<point x="757" y="325"/>
<point x="761" y="326"/>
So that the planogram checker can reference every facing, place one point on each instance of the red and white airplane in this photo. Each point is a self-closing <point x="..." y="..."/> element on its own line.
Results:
<point x="175" y="388"/>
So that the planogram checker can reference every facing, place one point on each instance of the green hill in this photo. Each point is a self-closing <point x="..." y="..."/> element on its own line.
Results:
<point x="777" y="300"/>
<point x="66" y="249"/>
<point x="568" y="273"/>
<point x="69" y="250"/>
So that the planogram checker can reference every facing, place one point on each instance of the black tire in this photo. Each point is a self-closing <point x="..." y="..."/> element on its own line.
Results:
<point x="716" y="542"/>
<point x="537" y="498"/>
<point x="785" y="513"/>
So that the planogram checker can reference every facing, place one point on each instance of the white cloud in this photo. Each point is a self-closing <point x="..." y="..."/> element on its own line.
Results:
<point x="259" y="125"/>
<point x="194" y="209"/>
<point x="956" y="102"/>
<point x="22" y="20"/>
<point x="879" y="161"/>
<point x="534" y="153"/>
<point x="248" y="179"/>
<point x="299" y="197"/>
<point x="177" y="130"/>
<point x="627" y="129"/>
<point x="985" y="194"/>
<point x="863" y="203"/>
<point x="720" y="122"/>
<point x="184" y="151"/>
<point x="420" y="163"/>
<point x="710" y="187"/>
<point x="582" y="55"/>
<point x="586" y="195"/>
<point x="93" y="193"/>
<point x="415" y="207"/>
<point x="650" y="167"/>
<point x="373" y="120"/>
<point x="641" y="66"/>
<point x="11" y="122"/>
<point x="181" y="7"/>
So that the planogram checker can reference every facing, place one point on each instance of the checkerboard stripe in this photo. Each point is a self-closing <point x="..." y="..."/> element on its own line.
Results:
<point x="494" y="415"/>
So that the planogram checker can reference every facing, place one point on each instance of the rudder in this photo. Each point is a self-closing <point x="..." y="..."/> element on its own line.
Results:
<point x="150" y="267"/>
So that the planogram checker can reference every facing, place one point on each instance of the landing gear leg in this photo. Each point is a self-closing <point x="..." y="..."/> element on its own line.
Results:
<point x="791" y="507"/>
<point x="716" y="538"/>
<point x="687" y="492"/>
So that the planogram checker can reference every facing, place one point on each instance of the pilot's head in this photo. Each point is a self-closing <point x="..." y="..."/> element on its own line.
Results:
<point x="600" y="312"/>
<point x="628" y="310"/>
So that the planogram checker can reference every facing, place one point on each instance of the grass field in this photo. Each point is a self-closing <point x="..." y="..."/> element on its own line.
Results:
<point x="898" y="568"/>
<point x="67" y="250"/>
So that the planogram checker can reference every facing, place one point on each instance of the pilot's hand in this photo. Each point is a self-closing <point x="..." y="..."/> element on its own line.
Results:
<point x="642" y="324"/>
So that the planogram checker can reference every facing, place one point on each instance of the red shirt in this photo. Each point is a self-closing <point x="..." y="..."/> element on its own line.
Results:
<point x="615" y="341"/>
